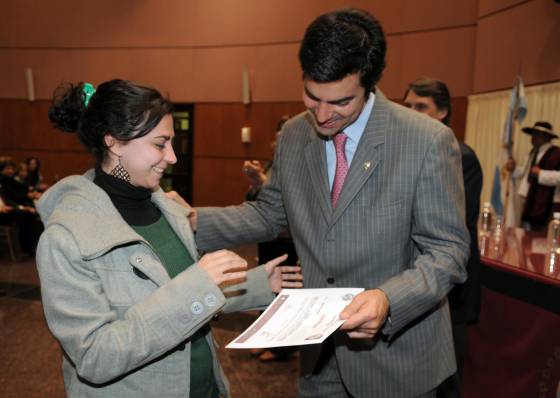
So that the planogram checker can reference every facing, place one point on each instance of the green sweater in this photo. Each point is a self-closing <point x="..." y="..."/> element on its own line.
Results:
<point x="176" y="258"/>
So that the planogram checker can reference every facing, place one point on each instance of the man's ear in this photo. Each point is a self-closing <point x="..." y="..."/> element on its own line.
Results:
<point x="442" y="113"/>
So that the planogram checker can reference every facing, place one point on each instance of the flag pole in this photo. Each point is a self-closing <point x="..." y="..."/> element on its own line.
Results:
<point x="509" y="150"/>
<point x="502" y="197"/>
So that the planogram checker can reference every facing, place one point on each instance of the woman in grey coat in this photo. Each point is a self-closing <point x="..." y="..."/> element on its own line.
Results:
<point x="123" y="289"/>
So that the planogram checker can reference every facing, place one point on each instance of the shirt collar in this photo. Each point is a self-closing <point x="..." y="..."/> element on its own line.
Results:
<point x="544" y="147"/>
<point x="356" y="129"/>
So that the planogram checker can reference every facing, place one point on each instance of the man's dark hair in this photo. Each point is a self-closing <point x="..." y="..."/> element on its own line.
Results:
<point x="436" y="90"/>
<point x="341" y="43"/>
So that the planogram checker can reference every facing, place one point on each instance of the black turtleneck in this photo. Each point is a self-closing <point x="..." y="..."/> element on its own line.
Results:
<point x="133" y="203"/>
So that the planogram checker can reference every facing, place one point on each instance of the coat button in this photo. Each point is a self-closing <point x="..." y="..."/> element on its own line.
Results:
<point x="138" y="259"/>
<point x="210" y="300"/>
<point x="330" y="280"/>
<point x="197" y="308"/>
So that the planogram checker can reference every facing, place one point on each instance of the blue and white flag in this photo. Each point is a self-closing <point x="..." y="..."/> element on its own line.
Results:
<point x="503" y="183"/>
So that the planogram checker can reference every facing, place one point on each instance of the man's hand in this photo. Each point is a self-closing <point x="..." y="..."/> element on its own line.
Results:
<point x="366" y="314"/>
<point x="535" y="170"/>
<point x="254" y="172"/>
<point x="283" y="276"/>
<point x="174" y="196"/>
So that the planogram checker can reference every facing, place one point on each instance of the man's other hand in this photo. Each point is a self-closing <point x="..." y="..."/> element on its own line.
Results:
<point x="366" y="314"/>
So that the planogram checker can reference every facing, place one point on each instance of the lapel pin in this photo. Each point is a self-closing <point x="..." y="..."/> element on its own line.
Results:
<point x="366" y="165"/>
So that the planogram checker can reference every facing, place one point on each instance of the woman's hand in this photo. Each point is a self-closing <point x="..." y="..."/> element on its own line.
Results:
<point x="283" y="276"/>
<point x="224" y="267"/>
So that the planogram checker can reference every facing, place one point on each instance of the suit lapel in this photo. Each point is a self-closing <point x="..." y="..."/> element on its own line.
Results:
<point x="367" y="155"/>
<point x="316" y="160"/>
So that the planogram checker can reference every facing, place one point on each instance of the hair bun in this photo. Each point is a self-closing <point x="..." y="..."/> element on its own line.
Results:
<point x="67" y="107"/>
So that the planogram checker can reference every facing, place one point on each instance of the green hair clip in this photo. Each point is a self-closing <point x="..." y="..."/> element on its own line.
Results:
<point x="88" y="90"/>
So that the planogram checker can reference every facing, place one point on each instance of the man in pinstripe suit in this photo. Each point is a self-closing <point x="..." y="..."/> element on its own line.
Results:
<point x="384" y="210"/>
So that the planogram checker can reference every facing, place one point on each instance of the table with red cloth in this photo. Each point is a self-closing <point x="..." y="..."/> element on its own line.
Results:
<point x="514" y="349"/>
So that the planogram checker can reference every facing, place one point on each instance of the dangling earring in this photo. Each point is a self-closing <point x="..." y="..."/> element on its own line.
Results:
<point x="120" y="172"/>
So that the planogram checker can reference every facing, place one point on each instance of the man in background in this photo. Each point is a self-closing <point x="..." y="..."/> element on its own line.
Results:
<point x="539" y="178"/>
<point x="431" y="97"/>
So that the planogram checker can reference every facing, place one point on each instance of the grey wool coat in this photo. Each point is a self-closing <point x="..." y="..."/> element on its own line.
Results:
<point x="123" y="325"/>
<point x="398" y="226"/>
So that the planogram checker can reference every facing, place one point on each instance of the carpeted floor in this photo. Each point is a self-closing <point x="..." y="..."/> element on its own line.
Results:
<point x="30" y="357"/>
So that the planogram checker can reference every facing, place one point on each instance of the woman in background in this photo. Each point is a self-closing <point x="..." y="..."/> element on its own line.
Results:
<point x="34" y="178"/>
<point x="123" y="289"/>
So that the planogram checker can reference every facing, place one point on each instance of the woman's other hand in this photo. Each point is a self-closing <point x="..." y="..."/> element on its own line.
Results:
<point x="224" y="267"/>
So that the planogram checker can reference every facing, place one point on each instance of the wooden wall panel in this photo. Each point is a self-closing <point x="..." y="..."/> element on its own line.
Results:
<point x="486" y="7"/>
<point x="200" y="47"/>
<point x="218" y="128"/>
<point x="459" y="116"/>
<point x="436" y="14"/>
<point x="524" y="39"/>
<point x="218" y="152"/>
<point x="445" y="54"/>
<point x="218" y="182"/>
<point x="150" y="23"/>
<point x="26" y="131"/>
<point x="25" y="125"/>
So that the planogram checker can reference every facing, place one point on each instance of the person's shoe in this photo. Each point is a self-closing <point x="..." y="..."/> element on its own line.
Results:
<point x="255" y="352"/>
<point x="267" y="356"/>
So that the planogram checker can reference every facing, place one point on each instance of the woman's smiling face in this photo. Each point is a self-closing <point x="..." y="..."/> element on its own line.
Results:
<point x="147" y="157"/>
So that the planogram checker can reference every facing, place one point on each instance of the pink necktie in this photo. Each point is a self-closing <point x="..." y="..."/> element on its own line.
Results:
<point x="341" y="166"/>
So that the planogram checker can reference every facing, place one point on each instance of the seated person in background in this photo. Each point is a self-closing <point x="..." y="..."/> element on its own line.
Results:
<point x="539" y="178"/>
<point x="22" y="176"/>
<point x="25" y="218"/>
<point x="257" y="176"/>
<point x="124" y="290"/>
<point x="14" y="190"/>
<point x="35" y="178"/>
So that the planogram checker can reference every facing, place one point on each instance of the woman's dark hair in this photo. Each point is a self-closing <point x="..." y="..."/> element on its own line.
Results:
<point x="341" y="43"/>
<point x="436" y="90"/>
<point x="33" y="176"/>
<point x="119" y="108"/>
<point x="7" y="162"/>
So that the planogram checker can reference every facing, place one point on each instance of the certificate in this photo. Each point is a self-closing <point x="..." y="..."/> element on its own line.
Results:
<point x="297" y="317"/>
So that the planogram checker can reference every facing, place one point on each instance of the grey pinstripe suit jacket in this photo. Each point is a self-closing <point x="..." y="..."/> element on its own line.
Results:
<point x="398" y="226"/>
